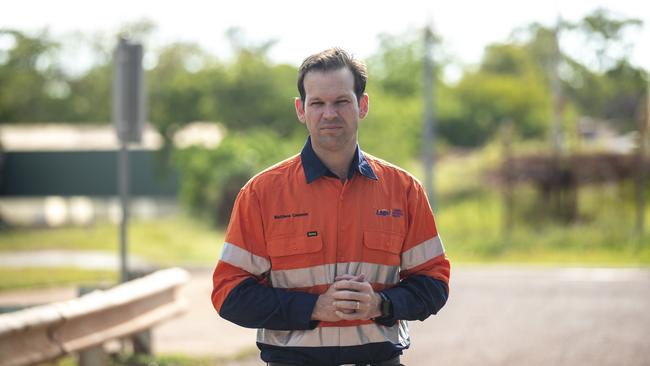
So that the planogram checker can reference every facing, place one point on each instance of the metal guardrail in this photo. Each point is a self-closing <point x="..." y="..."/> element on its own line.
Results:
<point x="49" y="331"/>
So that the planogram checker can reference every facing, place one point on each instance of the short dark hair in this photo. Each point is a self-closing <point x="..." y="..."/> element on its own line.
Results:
<point x="330" y="60"/>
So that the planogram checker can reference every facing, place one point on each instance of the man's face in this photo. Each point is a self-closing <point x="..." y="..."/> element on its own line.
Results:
<point x="331" y="111"/>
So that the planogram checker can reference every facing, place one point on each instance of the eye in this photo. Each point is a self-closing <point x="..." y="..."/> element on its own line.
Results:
<point x="342" y="101"/>
<point x="316" y="103"/>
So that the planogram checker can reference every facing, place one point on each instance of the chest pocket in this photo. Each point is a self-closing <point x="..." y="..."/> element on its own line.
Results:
<point x="383" y="241"/>
<point x="288" y="246"/>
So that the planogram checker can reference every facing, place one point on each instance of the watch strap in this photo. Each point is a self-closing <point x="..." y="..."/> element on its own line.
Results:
<point x="385" y="306"/>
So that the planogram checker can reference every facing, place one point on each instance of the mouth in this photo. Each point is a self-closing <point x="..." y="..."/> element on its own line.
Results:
<point x="331" y="127"/>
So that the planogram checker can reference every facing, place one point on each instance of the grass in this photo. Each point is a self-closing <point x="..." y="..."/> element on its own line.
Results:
<point x="473" y="233"/>
<point x="177" y="241"/>
<point x="22" y="278"/>
<point x="170" y="241"/>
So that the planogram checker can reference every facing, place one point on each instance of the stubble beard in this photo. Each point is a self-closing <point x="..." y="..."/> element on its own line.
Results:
<point x="335" y="143"/>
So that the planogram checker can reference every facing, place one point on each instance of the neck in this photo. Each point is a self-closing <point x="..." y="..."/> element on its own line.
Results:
<point x="337" y="161"/>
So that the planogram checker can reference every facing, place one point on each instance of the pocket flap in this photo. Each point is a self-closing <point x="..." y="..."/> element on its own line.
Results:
<point x="281" y="247"/>
<point x="388" y="242"/>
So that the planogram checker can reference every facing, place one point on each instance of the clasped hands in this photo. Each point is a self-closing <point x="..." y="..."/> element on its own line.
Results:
<point x="348" y="298"/>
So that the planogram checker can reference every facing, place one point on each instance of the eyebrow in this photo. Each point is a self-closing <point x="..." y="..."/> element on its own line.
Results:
<point x="341" y="96"/>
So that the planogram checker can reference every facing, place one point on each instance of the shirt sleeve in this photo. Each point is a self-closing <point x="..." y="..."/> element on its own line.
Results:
<point x="424" y="269"/>
<point x="240" y="291"/>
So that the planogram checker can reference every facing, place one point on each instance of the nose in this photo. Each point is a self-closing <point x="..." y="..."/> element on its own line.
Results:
<point x="330" y="112"/>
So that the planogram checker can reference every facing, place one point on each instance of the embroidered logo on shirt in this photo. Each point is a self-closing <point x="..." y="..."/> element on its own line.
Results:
<point x="396" y="212"/>
<point x="286" y="216"/>
<point x="312" y="233"/>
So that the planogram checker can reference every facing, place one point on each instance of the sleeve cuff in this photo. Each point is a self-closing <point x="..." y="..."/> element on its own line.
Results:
<point x="302" y="306"/>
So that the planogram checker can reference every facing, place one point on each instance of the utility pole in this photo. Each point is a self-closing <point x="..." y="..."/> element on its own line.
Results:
<point x="557" y="133"/>
<point x="644" y="125"/>
<point x="428" y="136"/>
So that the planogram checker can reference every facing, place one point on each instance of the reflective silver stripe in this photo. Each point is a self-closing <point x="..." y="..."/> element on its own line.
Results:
<point x="422" y="252"/>
<point x="244" y="259"/>
<point x="336" y="336"/>
<point x="325" y="274"/>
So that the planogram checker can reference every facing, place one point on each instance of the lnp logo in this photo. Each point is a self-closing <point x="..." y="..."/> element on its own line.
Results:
<point x="396" y="212"/>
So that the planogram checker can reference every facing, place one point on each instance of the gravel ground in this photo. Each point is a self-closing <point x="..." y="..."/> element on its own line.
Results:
<point x="495" y="316"/>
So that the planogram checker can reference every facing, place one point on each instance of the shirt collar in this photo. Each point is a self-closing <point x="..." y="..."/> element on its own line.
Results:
<point x="314" y="167"/>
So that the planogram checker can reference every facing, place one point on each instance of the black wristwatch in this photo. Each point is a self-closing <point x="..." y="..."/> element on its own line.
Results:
<point x="385" y="306"/>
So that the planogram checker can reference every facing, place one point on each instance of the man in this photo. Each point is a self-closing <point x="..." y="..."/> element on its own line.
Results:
<point x="330" y="252"/>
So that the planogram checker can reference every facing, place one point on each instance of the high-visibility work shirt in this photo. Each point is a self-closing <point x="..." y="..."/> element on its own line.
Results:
<point x="296" y="226"/>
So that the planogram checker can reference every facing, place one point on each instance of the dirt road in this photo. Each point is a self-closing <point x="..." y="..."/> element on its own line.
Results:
<point x="495" y="316"/>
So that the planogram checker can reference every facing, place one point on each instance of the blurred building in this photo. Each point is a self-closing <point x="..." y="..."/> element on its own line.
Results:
<point x="56" y="174"/>
<point x="596" y="133"/>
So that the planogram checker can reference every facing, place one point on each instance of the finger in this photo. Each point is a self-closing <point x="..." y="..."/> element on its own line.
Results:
<point x="344" y="277"/>
<point x="349" y="277"/>
<point x="353" y="285"/>
<point x="351" y="296"/>
<point x="351" y="316"/>
<point x="348" y="305"/>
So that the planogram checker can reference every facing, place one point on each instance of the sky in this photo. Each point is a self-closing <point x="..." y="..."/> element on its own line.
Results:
<point x="305" y="27"/>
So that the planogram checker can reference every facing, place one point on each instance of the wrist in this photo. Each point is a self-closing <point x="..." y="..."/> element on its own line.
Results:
<point x="316" y="313"/>
<point x="376" y="306"/>
<point x="385" y="306"/>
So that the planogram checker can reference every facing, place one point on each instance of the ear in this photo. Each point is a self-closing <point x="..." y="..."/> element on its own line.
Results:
<point x="364" y="106"/>
<point x="300" y="110"/>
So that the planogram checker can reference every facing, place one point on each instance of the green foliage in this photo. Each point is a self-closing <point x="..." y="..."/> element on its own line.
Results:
<point x="212" y="178"/>
<point x="492" y="98"/>
<point x="604" y="32"/>
<point x="177" y="95"/>
<point x="27" y="75"/>
<point x="257" y="94"/>
<point x="396" y="68"/>
<point x="616" y="95"/>
<point x="248" y="91"/>
<point x="470" y="219"/>
<point x="392" y="129"/>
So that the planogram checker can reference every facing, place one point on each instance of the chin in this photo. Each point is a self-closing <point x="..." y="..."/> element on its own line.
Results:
<point x="332" y="144"/>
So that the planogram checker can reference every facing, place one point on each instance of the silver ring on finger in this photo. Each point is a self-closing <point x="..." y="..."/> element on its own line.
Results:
<point x="357" y="306"/>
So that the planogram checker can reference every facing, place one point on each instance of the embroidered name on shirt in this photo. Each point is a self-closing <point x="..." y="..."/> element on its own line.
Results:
<point x="396" y="212"/>
<point x="312" y="233"/>
<point x="286" y="216"/>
